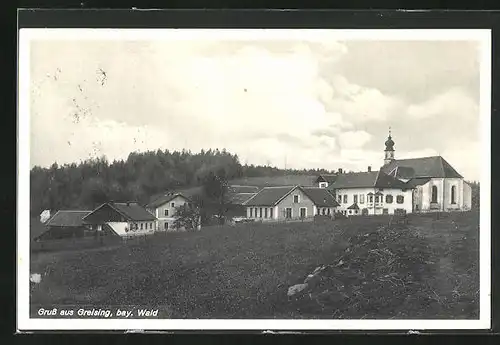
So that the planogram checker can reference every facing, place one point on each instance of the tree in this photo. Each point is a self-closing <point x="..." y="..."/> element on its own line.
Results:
<point x="188" y="217"/>
<point x="216" y="192"/>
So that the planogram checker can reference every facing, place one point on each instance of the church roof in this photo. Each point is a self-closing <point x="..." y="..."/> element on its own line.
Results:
<point x="435" y="166"/>
<point x="376" y="179"/>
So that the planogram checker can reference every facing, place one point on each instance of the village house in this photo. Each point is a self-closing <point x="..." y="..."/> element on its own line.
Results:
<point x="65" y="224"/>
<point x="126" y="219"/>
<point x="165" y="207"/>
<point x="324" y="181"/>
<point x="290" y="202"/>
<point x="426" y="184"/>
<point x="237" y="196"/>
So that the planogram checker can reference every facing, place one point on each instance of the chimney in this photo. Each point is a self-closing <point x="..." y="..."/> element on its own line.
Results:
<point x="369" y="168"/>
<point x="340" y="170"/>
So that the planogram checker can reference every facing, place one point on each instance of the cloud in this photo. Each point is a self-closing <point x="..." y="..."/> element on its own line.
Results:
<point x="453" y="103"/>
<point x="319" y="104"/>
<point x="354" y="139"/>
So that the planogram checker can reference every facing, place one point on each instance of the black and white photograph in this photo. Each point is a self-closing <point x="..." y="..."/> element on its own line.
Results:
<point x="254" y="179"/>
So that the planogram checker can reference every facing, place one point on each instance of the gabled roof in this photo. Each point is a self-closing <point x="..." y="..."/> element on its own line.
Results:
<point x="414" y="182"/>
<point x="67" y="218"/>
<point x="353" y="207"/>
<point x="326" y="178"/>
<point x="375" y="179"/>
<point x="320" y="196"/>
<point x="240" y="198"/>
<point x="435" y="166"/>
<point x="269" y="196"/>
<point x="243" y="189"/>
<point x="162" y="200"/>
<point x="132" y="211"/>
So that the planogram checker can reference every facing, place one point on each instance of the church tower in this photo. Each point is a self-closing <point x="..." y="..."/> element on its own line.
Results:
<point x="389" y="149"/>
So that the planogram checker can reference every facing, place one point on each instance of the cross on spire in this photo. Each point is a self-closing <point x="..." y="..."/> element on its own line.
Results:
<point x="389" y="130"/>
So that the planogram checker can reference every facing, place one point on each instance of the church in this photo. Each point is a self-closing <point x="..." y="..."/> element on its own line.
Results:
<point x="426" y="184"/>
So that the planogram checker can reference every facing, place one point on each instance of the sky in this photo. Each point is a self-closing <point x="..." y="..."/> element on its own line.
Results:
<point x="300" y="103"/>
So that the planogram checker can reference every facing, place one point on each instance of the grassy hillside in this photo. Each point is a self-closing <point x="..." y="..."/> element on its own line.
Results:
<point x="426" y="269"/>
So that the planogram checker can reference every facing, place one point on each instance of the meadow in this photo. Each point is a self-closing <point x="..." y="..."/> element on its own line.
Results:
<point x="371" y="268"/>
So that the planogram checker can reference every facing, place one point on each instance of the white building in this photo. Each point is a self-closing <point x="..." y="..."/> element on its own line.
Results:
<point x="436" y="185"/>
<point x="165" y="208"/>
<point x="414" y="185"/>
<point x="289" y="203"/>
<point x="371" y="193"/>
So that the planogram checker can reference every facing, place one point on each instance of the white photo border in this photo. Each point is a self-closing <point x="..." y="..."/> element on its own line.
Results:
<point x="25" y="323"/>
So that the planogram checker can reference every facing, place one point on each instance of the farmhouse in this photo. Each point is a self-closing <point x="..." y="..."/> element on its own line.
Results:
<point x="122" y="219"/>
<point x="237" y="196"/>
<point x="290" y="202"/>
<point x="65" y="224"/>
<point x="324" y="181"/>
<point x="165" y="207"/>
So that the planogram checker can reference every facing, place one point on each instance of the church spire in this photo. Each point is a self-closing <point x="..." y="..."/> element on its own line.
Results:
<point x="389" y="149"/>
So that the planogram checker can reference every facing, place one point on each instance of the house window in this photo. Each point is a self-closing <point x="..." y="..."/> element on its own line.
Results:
<point x="295" y="199"/>
<point x="377" y="199"/>
<point x="323" y="211"/>
<point x="270" y="213"/>
<point x="172" y="204"/>
<point x="328" y="211"/>
<point x="251" y="212"/>
<point x="323" y="185"/>
<point x="303" y="212"/>
<point x="370" y="198"/>
<point x="385" y="211"/>
<point x="434" y="197"/>
<point x="142" y="226"/>
<point x="166" y="213"/>
<point x="362" y="199"/>
<point x="165" y="225"/>
<point x="345" y="199"/>
<point x="388" y="199"/>
<point x="340" y="198"/>
<point x="265" y="212"/>
<point x="453" y="201"/>
<point x="400" y="199"/>
<point x="350" y="211"/>
<point x="355" y="198"/>
<point x="288" y="212"/>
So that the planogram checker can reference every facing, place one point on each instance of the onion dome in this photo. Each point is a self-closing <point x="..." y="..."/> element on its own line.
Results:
<point x="389" y="144"/>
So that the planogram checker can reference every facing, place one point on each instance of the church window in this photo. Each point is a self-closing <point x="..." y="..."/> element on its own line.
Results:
<point x="388" y="199"/>
<point x="400" y="199"/>
<point x="453" y="201"/>
<point x="370" y="198"/>
<point x="376" y="199"/>
<point x="434" y="194"/>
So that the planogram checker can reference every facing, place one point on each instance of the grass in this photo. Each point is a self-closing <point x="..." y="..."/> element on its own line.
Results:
<point x="426" y="269"/>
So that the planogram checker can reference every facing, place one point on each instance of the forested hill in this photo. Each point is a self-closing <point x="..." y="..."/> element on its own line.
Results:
<point x="141" y="175"/>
